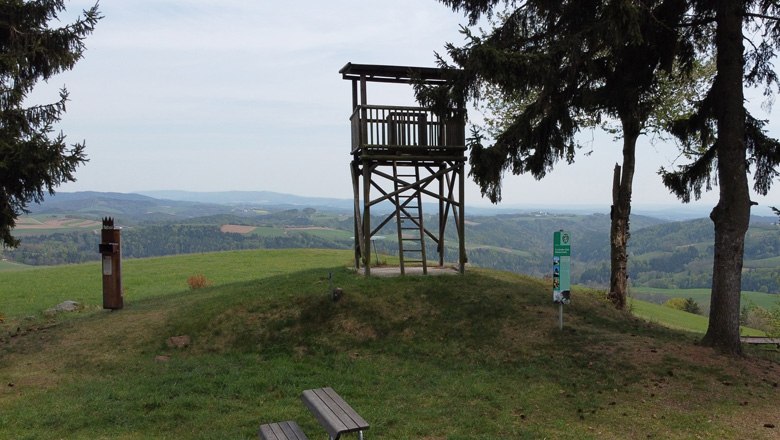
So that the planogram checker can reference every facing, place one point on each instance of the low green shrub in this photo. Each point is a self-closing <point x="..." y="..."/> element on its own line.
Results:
<point x="685" y="304"/>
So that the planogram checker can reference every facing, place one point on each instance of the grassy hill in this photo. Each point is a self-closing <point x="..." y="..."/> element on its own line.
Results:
<point x="478" y="356"/>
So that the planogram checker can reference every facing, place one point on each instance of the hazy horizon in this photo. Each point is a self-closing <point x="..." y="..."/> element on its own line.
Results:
<point x="663" y="210"/>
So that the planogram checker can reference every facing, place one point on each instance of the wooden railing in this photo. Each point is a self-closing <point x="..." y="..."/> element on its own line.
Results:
<point x="376" y="126"/>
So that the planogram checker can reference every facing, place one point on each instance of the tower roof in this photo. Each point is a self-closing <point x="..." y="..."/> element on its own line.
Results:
<point x="393" y="74"/>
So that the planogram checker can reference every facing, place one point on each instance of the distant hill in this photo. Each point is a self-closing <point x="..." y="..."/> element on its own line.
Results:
<point x="131" y="208"/>
<point x="261" y="198"/>
<point x="663" y="254"/>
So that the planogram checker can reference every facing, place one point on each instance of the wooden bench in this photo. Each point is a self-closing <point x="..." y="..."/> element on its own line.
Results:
<point x="333" y="413"/>
<point x="760" y="340"/>
<point x="288" y="430"/>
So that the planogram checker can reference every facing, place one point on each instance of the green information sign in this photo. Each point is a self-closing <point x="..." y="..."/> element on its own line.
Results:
<point x="561" y="267"/>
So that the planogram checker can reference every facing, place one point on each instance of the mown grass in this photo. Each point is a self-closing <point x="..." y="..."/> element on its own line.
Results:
<point x="328" y="234"/>
<point x="268" y="231"/>
<point x="10" y="266"/>
<point x="678" y="319"/>
<point x="770" y="263"/>
<point x="702" y="296"/>
<point x="64" y="224"/>
<point x="478" y="356"/>
<point x="29" y="292"/>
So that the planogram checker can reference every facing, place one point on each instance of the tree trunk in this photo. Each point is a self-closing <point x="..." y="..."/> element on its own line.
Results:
<point x="620" y="213"/>
<point x="731" y="216"/>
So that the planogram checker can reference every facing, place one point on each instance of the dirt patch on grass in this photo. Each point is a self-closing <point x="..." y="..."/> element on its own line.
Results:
<point x="356" y="329"/>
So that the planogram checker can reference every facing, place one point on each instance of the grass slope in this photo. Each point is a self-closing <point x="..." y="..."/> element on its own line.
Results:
<point x="478" y="356"/>
<point x="702" y="296"/>
<point x="678" y="319"/>
<point x="29" y="292"/>
<point x="10" y="266"/>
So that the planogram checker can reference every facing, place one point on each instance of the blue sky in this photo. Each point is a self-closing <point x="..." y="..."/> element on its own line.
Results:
<point x="215" y="95"/>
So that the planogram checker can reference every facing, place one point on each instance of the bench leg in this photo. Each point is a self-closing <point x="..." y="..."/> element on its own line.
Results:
<point x="360" y="436"/>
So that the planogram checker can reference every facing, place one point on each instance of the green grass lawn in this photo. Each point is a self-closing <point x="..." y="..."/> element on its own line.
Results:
<point x="702" y="296"/>
<point x="29" y="292"/>
<point x="770" y="263"/>
<point x="328" y="234"/>
<point x="478" y="356"/>
<point x="678" y="319"/>
<point x="10" y="266"/>
<point x="268" y="231"/>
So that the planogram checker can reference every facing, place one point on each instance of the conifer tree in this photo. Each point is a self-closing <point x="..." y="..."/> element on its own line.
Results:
<point x="727" y="143"/>
<point x="33" y="160"/>
<point x="571" y="62"/>
<point x="563" y="52"/>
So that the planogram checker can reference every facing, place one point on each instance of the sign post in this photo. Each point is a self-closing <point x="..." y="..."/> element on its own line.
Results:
<point x="561" y="270"/>
<point x="111" y="251"/>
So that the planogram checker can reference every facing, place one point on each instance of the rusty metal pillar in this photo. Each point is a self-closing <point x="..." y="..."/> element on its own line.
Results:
<point x="111" y="253"/>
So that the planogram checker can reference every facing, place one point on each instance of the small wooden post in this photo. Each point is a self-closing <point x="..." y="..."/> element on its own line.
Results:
<point x="111" y="252"/>
<point x="560" y="316"/>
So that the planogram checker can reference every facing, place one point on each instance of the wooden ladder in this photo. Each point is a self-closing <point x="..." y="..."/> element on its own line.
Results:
<point x="409" y="220"/>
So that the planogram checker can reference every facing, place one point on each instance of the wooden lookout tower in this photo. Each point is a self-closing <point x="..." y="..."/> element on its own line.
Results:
<point x="405" y="158"/>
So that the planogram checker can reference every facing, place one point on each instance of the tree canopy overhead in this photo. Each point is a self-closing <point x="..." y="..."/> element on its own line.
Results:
<point x="572" y="64"/>
<point x="699" y="132"/>
<point x="33" y="160"/>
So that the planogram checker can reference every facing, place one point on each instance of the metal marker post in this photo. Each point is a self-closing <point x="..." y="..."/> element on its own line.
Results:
<point x="561" y="271"/>
<point x="560" y="316"/>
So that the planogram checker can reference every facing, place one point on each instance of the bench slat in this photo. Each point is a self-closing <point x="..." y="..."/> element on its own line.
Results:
<point x="325" y="416"/>
<point x="351" y="413"/>
<point x="332" y="412"/>
<point x="759" y="340"/>
<point x="288" y="430"/>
